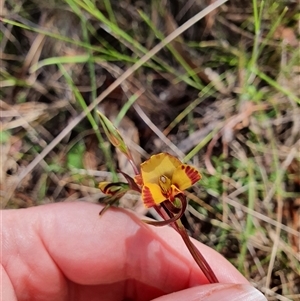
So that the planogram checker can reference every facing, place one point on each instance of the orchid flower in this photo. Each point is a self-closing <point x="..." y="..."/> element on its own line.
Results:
<point x="162" y="180"/>
<point x="163" y="177"/>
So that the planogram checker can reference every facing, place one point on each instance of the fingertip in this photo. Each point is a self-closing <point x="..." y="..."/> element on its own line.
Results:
<point x="216" y="292"/>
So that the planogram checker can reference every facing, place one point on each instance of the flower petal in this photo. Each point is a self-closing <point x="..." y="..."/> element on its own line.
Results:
<point x="111" y="188"/>
<point x="131" y="182"/>
<point x="138" y="180"/>
<point x="185" y="176"/>
<point x="151" y="195"/>
<point x="158" y="165"/>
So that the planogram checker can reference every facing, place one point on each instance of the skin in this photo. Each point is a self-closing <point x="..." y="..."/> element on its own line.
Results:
<point x="65" y="251"/>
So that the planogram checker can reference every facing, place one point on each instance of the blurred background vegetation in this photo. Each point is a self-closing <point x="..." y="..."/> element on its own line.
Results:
<point x="223" y="96"/>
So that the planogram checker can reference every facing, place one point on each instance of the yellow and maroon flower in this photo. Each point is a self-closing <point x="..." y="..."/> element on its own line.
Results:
<point x="163" y="177"/>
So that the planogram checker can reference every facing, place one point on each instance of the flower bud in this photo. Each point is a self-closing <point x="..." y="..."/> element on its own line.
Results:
<point x="113" y="134"/>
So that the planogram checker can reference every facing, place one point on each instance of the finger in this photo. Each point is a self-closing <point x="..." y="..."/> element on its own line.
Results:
<point x="6" y="288"/>
<point x="119" y="241"/>
<point x="216" y="292"/>
<point x="71" y="240"/>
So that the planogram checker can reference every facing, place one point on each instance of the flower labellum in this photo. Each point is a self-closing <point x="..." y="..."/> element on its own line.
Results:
<point x="163" y="177"/>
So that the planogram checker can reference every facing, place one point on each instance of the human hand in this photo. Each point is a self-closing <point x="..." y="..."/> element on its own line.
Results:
<point x="65" y="251"/>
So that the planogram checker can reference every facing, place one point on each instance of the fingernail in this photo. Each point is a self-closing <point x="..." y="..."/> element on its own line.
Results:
<point x="236" y="292"/>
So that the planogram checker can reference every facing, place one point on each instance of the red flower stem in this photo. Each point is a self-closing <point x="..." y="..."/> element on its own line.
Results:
<point x="178" y="226"/>
<point x="164" y="215"/>
<point x="170" y="220"/>
<point x="198" y="257"/>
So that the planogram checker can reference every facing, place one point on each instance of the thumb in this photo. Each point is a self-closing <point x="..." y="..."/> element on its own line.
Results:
<point x="216" y="292"/>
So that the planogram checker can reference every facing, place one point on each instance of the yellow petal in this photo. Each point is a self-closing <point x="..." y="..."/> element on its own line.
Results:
<point x="151" y="195"/>
<point x="158" y="165"/>
<point x="185" y="176"/>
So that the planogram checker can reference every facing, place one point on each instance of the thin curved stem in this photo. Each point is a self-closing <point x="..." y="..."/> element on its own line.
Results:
<point x="198" y="257"/>
<point x="178" y="226"/>
<point x="171" y="220"/>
